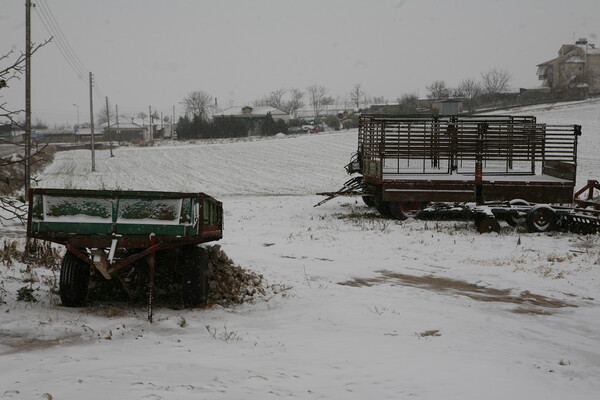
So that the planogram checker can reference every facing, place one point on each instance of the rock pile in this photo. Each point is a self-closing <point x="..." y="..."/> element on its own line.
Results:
<point x="228" y="283"/>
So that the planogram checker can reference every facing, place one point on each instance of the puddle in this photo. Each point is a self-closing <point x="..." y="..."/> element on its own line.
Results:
<point x="529" y="303"/>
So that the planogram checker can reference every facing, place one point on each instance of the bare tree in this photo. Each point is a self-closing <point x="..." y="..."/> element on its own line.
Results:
<point x="356" y="95"/>
<point x="197" y="103"/>
<point x="274" y="99"/>
<point x="408" y="103"/>
<point x="11" y="68"/>
<point x="12" y="176"/>
<point x="105" y="114"/>
<point x="468" y="88"/>
<point x="495" y="81"/>
<point x="295" y="103"/>
<point x="317" y="97"/>
<point x="438" y="90"/>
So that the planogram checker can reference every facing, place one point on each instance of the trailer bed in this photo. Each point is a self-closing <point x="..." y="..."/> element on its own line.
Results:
<point x="466" y="158"/>
<point x="94" y="218"/>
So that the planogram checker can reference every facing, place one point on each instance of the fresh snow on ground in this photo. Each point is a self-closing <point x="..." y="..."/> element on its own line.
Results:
<point x="361" y="307"/>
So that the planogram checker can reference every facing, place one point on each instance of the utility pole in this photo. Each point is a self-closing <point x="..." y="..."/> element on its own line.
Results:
<point x="27" y="96"/>
<point x="150" y="118"/>
<point x="172" y="122"/>
<point x="76" y="105"/>
<point x="118" y="129"/>
<point x="92" y="123"/>
<point x="108" y="127"/>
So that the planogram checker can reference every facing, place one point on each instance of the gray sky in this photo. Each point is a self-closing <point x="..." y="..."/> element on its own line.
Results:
<point x="154" y="52"/>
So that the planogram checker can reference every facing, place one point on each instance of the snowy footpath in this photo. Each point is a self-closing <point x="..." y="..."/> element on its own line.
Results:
<point x="359" y="306"/>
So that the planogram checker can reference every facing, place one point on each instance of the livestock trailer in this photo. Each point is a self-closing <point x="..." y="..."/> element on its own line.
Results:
<point x="407" y="162"/>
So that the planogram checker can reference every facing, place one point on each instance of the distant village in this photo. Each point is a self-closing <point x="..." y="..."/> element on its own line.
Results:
<point x="573" y="74"/>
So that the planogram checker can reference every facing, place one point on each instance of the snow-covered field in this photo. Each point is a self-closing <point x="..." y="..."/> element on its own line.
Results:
<point x="368" y="307"/>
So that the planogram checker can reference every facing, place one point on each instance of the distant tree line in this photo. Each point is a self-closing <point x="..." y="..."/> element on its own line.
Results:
<point x="492" y="91"/>
<point x="228" y="127"/>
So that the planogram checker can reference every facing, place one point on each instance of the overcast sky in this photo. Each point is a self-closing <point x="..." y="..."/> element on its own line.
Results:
<point x="154" y="52"/>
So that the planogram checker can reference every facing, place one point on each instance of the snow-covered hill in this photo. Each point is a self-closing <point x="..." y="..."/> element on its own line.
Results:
<point x="364" y="307"/>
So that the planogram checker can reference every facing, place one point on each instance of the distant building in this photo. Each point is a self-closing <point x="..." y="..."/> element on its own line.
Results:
<point x="575" y="72"/>
<point x="126" y="130"/>
<point x="252" y="118"/>
<point x="340" y="110"/>
<point x="133" y="129"/>
<point x="447" y="107"/>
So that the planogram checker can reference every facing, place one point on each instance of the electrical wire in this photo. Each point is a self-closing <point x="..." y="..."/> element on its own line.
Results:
<point x="61" y="42"/>
<point x="72" y="52"/>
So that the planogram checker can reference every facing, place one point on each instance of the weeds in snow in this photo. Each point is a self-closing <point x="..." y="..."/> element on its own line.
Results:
<point x="35" y="253"/>
<point x="225" y="336"/>
<point x="26" y="294"/>
<point x="367" y="221"/>
<point x="429" y="333"/>
<point x="377" y="310"/>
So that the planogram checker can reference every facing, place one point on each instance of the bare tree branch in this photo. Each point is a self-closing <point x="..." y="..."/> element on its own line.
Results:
<point x="496" y="81"/>
<point x="196" y="103"/>
<point x="356" y="95"/>
<point x="317" y="97"/>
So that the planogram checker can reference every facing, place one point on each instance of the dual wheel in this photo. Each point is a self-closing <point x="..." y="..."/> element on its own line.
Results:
<point x="192" y="265"/>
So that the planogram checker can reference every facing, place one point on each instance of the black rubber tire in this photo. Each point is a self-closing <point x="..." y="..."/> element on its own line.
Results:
<point x="195" y="276"/>
<point x="369" y="201"/>
<point x="541" y="218"/>
<point x="382" y="206"/>
<point x="397" y="210"/>
<point x="514" y="220"/>
<point x="402" y="210"/>
<point x="74" y="280"/>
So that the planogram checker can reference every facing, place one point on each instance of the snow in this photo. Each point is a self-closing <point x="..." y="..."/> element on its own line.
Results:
<point x="363" y="307"/>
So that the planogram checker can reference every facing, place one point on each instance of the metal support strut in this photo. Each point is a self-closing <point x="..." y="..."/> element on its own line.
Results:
<point x="151" y="280"/>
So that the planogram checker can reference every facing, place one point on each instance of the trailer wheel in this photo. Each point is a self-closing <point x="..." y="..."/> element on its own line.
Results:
<point x="541" y="218"/>
<point x="74" y="280"/>
<point x="369" y="200"/>
<point x="513" y="219"/>
<point x="382" y="206"/>
<point x="195" y="276"/>
<point x="402" y="210"/>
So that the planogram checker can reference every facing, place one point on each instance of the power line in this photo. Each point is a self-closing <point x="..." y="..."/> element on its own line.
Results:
<point x="58" y="44"/>
<point x="72" y="52"/>
<point x="61" y="42"/>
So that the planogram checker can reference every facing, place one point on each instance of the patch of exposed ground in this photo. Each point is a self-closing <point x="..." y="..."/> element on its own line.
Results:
<point x="528" y="303"/>
<point x="20" y="343"/>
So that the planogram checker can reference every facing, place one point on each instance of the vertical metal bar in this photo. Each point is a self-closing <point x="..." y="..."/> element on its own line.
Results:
<point x="381" y="149"/>
<point x="92" y="122"/>
<point x="591" y="184"/>
<point x="151" y="283"/>
<point x="482" y="128"/>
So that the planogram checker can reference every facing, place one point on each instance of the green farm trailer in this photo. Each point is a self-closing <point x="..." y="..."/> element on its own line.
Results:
<point x="109" y="230"/>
